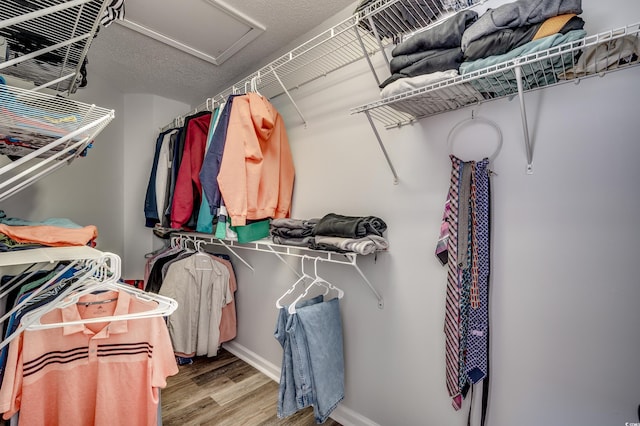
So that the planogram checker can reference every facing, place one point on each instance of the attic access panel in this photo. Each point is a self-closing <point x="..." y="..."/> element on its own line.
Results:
<point x="208" y="29"/>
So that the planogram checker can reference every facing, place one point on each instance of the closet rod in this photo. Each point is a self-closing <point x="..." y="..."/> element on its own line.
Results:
<point x="282" y="250"/>
<point x="209" y="105"/>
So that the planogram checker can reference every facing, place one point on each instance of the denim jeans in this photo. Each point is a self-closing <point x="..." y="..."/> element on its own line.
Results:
<point x="321" y="326"/>
<point x="295" y="391"/>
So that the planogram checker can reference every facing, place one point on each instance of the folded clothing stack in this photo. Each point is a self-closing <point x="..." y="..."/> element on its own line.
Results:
<point x="293" y="232"/>
<point x="518" y="29"/>
<point x="466" y="42"/>
<point x="333" y="232"/>
<point x="436" y="49"/>
<point x="362" y="235"/>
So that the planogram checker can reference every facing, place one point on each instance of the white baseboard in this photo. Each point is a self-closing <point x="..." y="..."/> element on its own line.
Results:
<point x="347" y="417"/>
<point x="342" y="414"/>
<point x="253" y="359"/>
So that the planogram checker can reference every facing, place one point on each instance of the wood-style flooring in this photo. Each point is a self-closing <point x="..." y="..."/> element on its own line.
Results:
<point x="225" y="391"/>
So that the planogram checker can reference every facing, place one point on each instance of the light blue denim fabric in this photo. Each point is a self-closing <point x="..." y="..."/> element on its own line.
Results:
<point x="322" y="328"/>
<point x="295" y="391"/>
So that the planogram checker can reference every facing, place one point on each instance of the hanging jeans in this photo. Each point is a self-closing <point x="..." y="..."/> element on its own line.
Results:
<point x="295" y="392"/>
<point x="322" y="328"/>
<point x="313" y="359"/>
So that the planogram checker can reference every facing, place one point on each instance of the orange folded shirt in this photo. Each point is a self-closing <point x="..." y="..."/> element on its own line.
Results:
<point x="53" y="236"/>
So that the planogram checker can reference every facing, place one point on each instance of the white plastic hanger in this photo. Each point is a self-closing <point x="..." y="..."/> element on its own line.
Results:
<point x="103" y="281"/>
<point x="84" y="270"/>
<point x="254" y="83"/>
<point x="473" y="120"/>
<point x="203" y="260"/>
<point x="303" y="277"/>
<point x="317" y="281"/>
<point x="164" y="306"/>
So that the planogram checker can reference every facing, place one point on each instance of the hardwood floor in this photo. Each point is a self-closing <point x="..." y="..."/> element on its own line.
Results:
<point x="225" y="391"/>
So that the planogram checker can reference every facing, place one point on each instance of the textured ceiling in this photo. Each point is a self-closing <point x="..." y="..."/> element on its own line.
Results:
<point x="135" y="63"/>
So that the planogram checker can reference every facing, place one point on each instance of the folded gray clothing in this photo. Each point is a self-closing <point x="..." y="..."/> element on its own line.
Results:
<point x="292" y="233"/>
<point x="337" y="225"/>
<point x="298" y="242"/>
<point x="518" y="14"/>
<point x="364" y="245"/>
<point x="293" y="223"/>
<point x="436" y="60"/>
<point x="446" y="35"/>
<point x="502" y="41"/>
<point x="293" y="228"/>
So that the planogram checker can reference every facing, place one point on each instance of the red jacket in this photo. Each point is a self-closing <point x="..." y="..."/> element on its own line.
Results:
<point x="188" y="190"/>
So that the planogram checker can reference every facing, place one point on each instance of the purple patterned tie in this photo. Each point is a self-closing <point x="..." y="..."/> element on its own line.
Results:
<point x="478" y="328"/>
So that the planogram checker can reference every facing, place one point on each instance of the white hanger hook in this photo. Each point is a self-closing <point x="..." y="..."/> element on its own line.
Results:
<point x="302" y="259"/>
<point x="315" y="266"/>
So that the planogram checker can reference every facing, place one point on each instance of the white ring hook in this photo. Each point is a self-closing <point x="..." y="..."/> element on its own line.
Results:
<point x="476" y="118"/>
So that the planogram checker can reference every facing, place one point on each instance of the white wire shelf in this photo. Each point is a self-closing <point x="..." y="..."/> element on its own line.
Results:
<point x="279" y="250"/>
<point x="48" y="40"/>
<point x="48" y="254"/>
<point x="365" y="33"/>
<point x="41" y="133"/>
<point x="362" y="35"/>
<point x="498" y="81"/>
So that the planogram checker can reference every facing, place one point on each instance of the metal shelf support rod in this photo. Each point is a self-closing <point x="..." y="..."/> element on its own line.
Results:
<point x="366" y="55"/>
<point x="371" y="287"/>
<point x="288" y="95"/>
<point x="378" y="40"/>
<point x="384" y="151"/>
<point x="233" y="252"/>
<point x="525" y="127"/>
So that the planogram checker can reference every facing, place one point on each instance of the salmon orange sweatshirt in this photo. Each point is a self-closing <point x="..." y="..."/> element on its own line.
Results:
<point x="256" y="174"/>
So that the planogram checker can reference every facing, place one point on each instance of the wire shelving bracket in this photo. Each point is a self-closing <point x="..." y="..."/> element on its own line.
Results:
<point x="487" y="84"/>
<point x="279" y="251"/>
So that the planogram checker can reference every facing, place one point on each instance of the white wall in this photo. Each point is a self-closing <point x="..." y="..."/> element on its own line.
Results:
<point x="107" y="188"/>
<point x="564" y="286"/>
<point x="144" y="116"/>
<point x="89" y="190"/>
